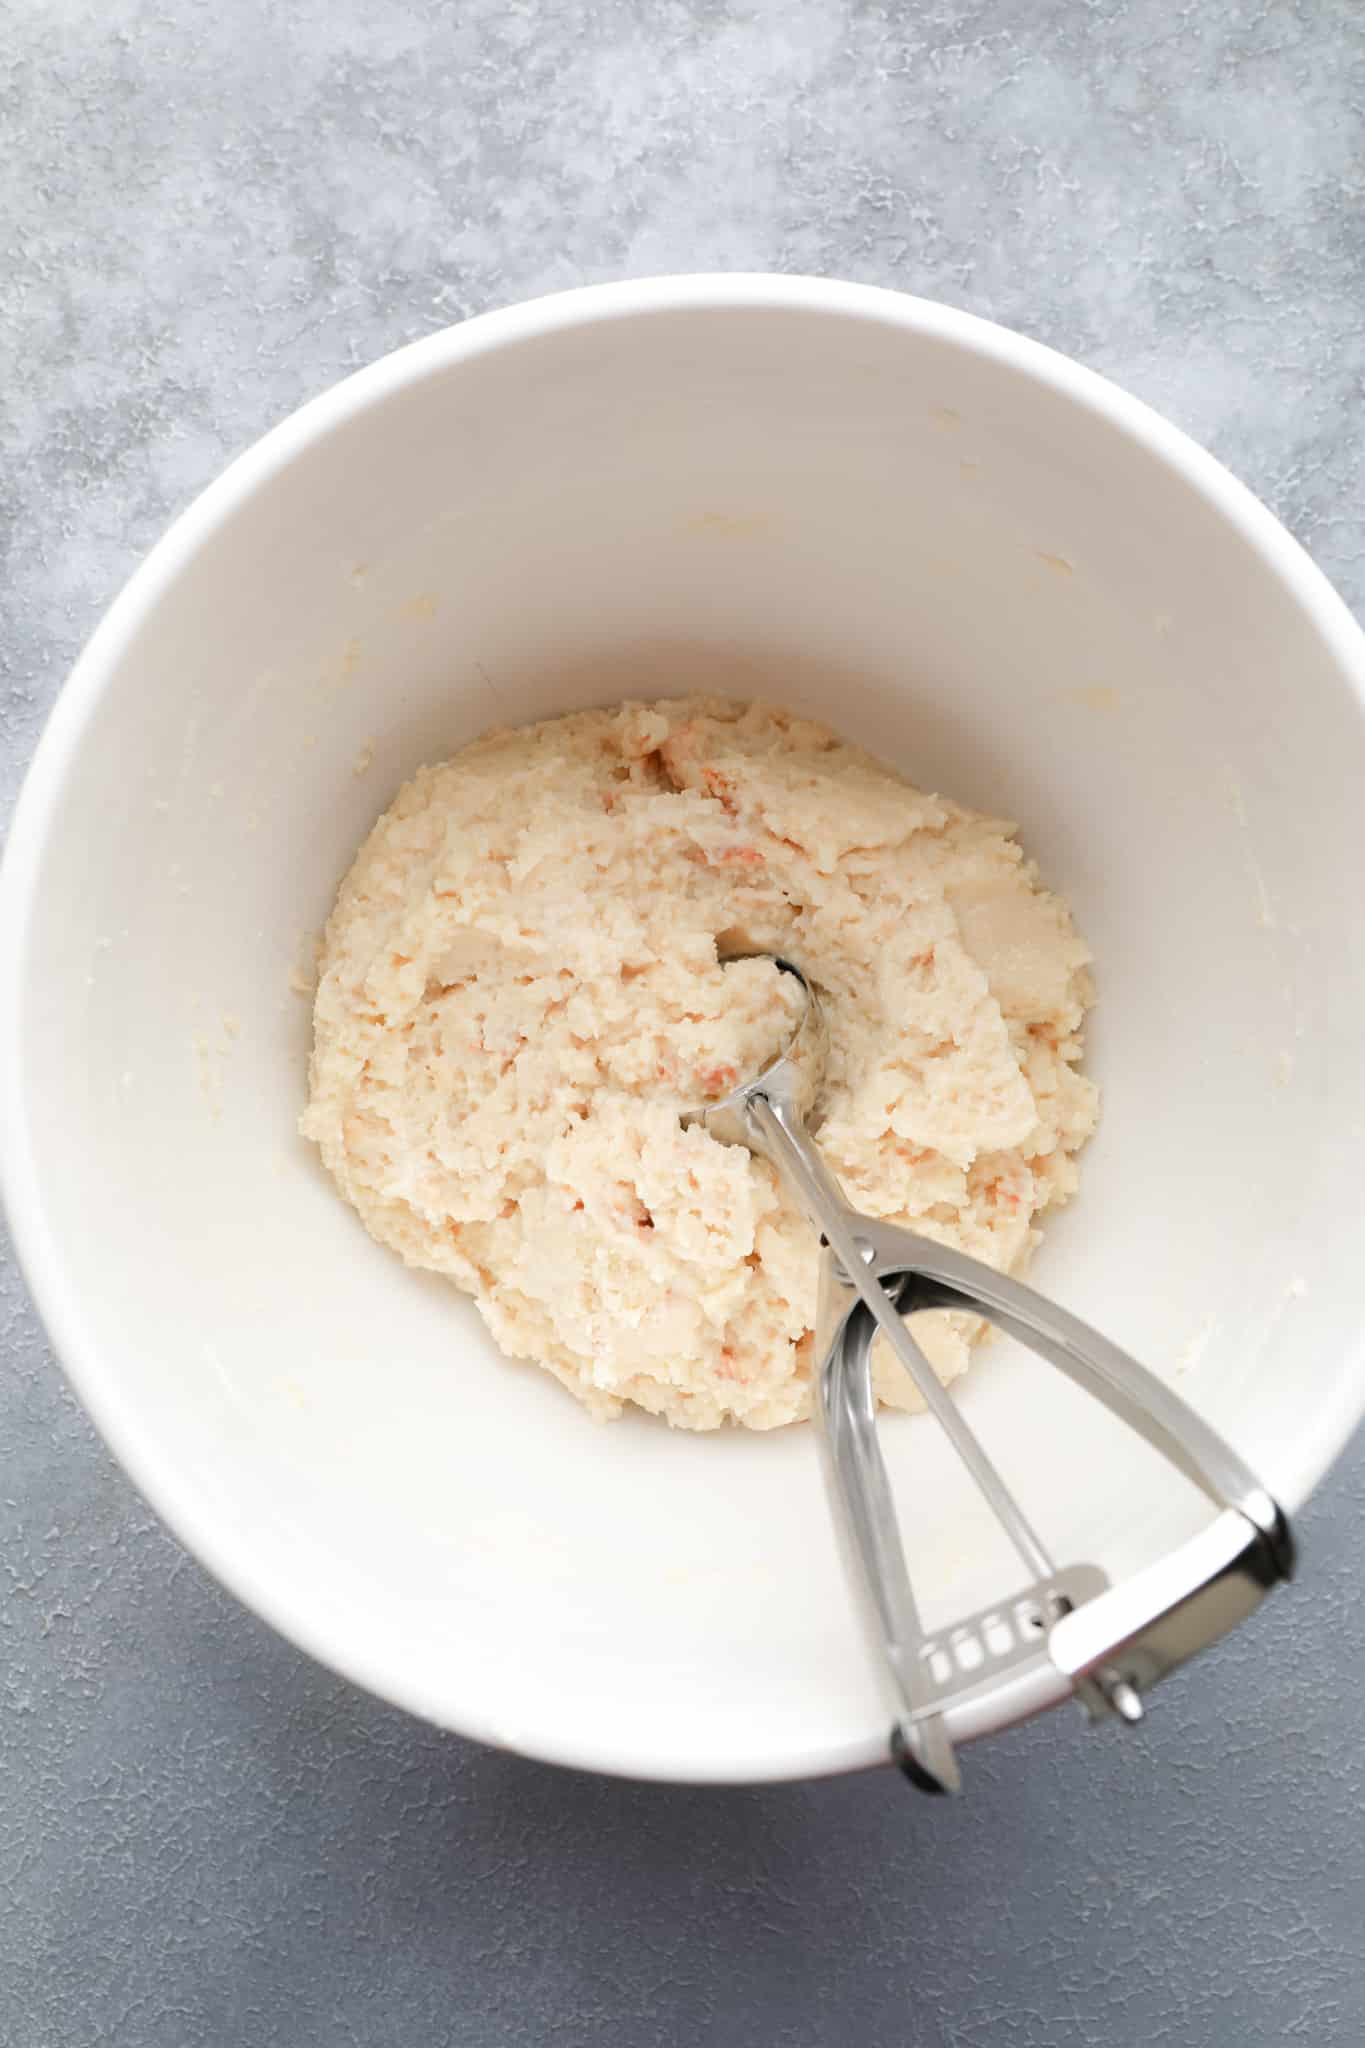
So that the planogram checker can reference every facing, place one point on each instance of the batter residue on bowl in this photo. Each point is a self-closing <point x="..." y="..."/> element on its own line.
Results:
<point x="521" y="995"/>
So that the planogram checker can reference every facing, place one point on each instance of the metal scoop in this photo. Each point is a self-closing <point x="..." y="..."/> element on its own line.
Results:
<point x="1108" y="1643"/>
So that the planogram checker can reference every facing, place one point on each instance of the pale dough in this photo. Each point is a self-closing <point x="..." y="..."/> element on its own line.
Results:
<point x="520" y="996"/>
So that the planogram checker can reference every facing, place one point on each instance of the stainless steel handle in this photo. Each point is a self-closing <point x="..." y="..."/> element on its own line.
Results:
<point x="1109" y="1644"/>
<point x="853" y="1245"/>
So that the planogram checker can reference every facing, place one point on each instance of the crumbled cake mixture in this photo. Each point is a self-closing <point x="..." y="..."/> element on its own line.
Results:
<point x="520" y="996"/>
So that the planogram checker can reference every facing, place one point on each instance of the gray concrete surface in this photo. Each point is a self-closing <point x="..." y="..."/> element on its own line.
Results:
<point x="209" y="211"/>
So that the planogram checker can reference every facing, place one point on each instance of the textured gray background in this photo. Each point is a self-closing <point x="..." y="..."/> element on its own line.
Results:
<point x="211" y="208"/>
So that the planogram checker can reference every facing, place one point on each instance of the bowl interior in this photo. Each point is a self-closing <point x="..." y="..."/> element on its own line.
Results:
<point x="959" y="557"/>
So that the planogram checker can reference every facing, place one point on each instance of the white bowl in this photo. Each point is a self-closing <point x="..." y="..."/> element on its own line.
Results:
<point x="979" y="559"/>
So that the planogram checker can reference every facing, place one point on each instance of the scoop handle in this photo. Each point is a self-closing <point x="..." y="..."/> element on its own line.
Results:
<point x="782" y="1136"/>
